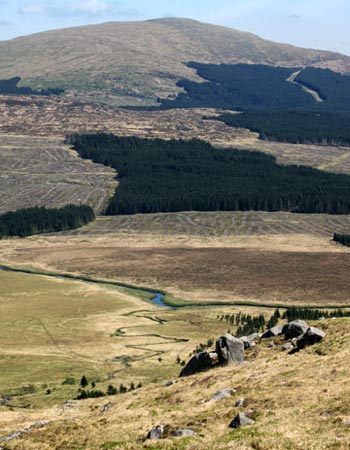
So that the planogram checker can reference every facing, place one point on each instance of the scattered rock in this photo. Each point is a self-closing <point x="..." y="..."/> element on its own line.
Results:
<point x="295" y="329"/>
<point x="18" y="433"/>
<point x="184" y="433"/>
<point x="230" y="350"/>
<point x="156" y="432"/>
<point x="311" y="336"/>
<point x="272" y="332"/>
<point x="199" y="363"/>
<point x="346" y="422"/>
<point x="106" y="407"/>
<point x="271" y="344"/>
<point x="287" y="346"/>
<point x="69" y="404"/>
<point x="239" y="403"/>
<point x="223" y="393"/>
<point x="241" y="420"/>
<point x="168" y="383"/>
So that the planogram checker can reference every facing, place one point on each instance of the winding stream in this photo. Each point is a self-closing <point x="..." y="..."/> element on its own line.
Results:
<point x="156" y="297"/>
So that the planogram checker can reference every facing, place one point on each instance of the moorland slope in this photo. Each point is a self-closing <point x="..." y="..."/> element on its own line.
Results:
<point x="135" y="62"/>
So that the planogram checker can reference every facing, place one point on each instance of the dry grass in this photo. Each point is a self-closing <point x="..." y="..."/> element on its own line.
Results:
<point x="299" y="402"/>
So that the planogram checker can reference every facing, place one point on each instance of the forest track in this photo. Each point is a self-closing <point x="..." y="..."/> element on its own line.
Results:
<point x="314" y="94"/>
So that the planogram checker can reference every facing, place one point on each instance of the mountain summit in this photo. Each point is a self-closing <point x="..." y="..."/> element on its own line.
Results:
<point x="136" y="62"/>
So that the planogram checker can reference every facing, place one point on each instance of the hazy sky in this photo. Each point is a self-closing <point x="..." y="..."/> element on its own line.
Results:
<point x="307" y="23"/>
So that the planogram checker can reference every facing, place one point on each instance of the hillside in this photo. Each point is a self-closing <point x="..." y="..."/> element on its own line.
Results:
<point x="298" y="402"/>
<point x="135" y="62"/>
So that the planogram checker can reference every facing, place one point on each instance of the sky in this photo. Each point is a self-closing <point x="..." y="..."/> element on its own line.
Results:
<point x="318" y="24"/>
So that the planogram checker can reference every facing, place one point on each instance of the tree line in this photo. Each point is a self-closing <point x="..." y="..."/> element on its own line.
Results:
<point x="240" y="86"/>
<point x="167" y="176"/>
<point x="29" y="221"/>
<point x="342" y="238"/>
<point x="295" y="313"/>
<point x="296" y="127"/>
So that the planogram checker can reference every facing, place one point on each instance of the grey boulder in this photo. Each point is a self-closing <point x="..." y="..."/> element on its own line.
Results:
<point x="239" y="403"/>
<point x="223" y="393"/>
<point x="156" y="432"/>
<point x="272" y="332"/>
<point x="199" y="363"/>
<point x="184" y="433"/>
<point x="249" y="341"/>
<point x="311" y="336"/>
<point x="230" y="350"/>
<point x="241" y="420"/>
<point x="294" y="329"/>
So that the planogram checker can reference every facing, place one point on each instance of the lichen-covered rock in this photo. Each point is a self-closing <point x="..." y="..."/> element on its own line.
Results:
<point x="199" y="363"/>
<point x="230" y="350"/>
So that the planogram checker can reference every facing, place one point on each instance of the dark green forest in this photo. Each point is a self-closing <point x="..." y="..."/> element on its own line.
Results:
<point x="333" y="88"/>
<point x="342" y="238"/>
<point x="29" y="221"/>
<point x="10" y="87"/>
<point x="296" y="127"/>
<point x="277" y="109"/>
<point x="240" y="86"/>
<point x="167" y="176"/>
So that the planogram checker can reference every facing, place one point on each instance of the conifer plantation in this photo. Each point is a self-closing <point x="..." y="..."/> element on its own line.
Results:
<point x="167" y="176"/>
<point x="29" y="221"/>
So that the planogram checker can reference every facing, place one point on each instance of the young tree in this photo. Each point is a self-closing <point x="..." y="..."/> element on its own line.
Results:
<point x="84" y="382"/>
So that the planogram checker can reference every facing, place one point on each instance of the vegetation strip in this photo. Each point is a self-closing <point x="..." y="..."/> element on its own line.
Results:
<point x="29" y="221"/>
<point x="342" y="239"/>
<point x="167" y="300"/>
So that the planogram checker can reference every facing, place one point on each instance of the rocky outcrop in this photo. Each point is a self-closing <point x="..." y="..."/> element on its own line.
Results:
<point x="230" y="350"/>
<point x="294" y="329"/>
<point x="311" y="336"/>
<point x="200" y="363"/>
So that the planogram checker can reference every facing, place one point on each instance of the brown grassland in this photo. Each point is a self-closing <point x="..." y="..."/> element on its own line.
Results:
<point x="269" y="258"/>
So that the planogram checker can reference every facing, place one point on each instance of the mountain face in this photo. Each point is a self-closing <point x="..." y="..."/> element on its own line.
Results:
<point x="133" y="63"/>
